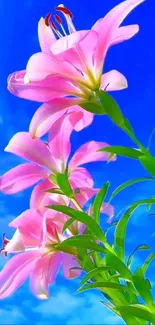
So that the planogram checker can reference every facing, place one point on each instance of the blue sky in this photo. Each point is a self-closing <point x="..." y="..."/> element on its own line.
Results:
<point x="135" y="59"/>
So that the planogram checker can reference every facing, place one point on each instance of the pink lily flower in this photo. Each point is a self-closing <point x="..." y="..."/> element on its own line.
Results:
<point x="36" y="256"/>
<point x="68" y="71"/>
<point x="46" y="160"/>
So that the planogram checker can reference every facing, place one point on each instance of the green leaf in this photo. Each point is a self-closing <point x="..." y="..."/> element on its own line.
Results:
<point x="93" y="107"/>
<point x="149" y="204"/>
<point x="55" y="191"/>
<point x="138" y="248"/>
<point x="113" y="224"/>
<point x="128" y="126"/>
<point x="84" y="241"/>
<point x="120" y="233"/>
<point x="89" y="222"/>
<point x="147" y="262"/>
<point x="117" y="265"/>
<point x="148" y="162"/>
<point x="93" y="273"/>
<point x="123" y="151"/>
<point x="127" y="184"/>
<point x="137" y="310"/>
<point x="96" y="206"/>
<point x="111" y="108"/>
<point x="64" y="185"/>
<point x="142" y="286"/>
<point x="104" y="284"/>
<point x="68" y="223"/>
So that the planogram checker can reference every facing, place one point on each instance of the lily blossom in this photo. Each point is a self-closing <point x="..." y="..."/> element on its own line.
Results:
<point x="34" y="244"/>
<point x="49" y="159"/>
<point x="71" y="67"/>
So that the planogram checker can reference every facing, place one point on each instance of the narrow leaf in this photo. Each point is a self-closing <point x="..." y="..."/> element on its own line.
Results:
<point x="90" y="223"/>
<point x="147" y="262"/>
<point x="123" y="151"/>
<point x="68" y="223"/>
<point x="64" y="185"/>
<point x="96" y="206"/>
<point x="120" y="233"/>
<point x="118" y="265"/>
<point x="104" y="284"/>
<point x="138" y="311"/>
<point x="138" y="248"/>
<point x="93" y="273"/>
<point x="148" y="162"/>
<point x="127" y="184"/>
<point x="111" y="108"/>
<point x="142" y="286"/>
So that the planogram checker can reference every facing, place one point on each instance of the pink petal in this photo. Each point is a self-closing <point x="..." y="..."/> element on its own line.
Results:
<point x="48" y="113"/>
<point x="39" y="198"/>
<point x="15" y="245"/>
<point x="108" y="209"/>
<point x="35" y="150"/>
<point x="59" y="137"/>
<point x="68" y="48"/>
<point x="88" y="153"/>
<point x="106" y="28"/>
<point x="56" y="219"/>
<point x="29" y="224"/>
<point x="86" y="119"/>
<point x="85" y="195"/>
<point x="113" y="80"/>
<point x="15" y="272"/>
<point x="80" y="177"/>
<point x="40" y="91"/>
<point x="21" y="177"/>
<point x="42" y="65"/>
<point x="45" y="35"/>
<point x="123" y="33"/>
<point x="44" y="273"/>
<point x="69" y="262"/>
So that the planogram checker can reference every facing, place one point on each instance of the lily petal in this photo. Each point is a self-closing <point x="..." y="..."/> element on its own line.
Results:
<point x="45" y="35"/>
<point x="113" y="80"/>
<point x="108" y="209"/>
<point x="29" y="224"/>
<point x="44" y="273"/>
<point x="88" y="153"/>
<point x="42" y="65"/>
<point x="40" y="91"/>
<point x="75" y="43"/>
<point x="124" y="33"/>
<point x="80" y="177"/>
<point x="106" y="27"/>
<point x="39" y="198"/>
<point x="21" y="177"/>
<point x="59" y="137"/>
<point x="48" y="113"/>
<point x="15" y="272"/>
<point x="35" y="150"/>
<point x="70" y="262"/>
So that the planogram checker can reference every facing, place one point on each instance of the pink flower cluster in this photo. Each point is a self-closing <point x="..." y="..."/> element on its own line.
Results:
<point x="65" y="74"/>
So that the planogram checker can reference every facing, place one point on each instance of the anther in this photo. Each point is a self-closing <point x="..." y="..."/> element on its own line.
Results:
<point x="5" y="242"/>
<point x="58" y="19"/>
<point x="47" y="19"/>
<point x="65" y="11"/>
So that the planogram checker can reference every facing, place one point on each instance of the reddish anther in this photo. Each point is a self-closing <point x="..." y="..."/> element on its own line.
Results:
<point x="58" y="19"/>
<point x="47" y="19"/>
<point x="65" y="11"/>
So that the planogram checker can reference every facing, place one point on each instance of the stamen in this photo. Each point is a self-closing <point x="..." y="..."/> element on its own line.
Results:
<point x="5" y="242"/>
<point x="53" y="26"/>
<point x="47" y="19"/>
<point x="58" y="19"/>
<point x="64" y="10"/>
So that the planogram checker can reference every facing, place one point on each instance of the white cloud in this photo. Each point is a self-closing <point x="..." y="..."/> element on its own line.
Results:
<point x="11" y="315"/>
<point x="80" y="309"/>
